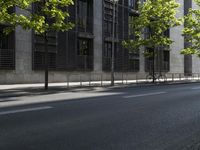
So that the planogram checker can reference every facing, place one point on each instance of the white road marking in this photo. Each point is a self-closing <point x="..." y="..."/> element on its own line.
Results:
<point x="195" y="88"/>
<point x="25" y="110"/>
<point x="147" y="94"/>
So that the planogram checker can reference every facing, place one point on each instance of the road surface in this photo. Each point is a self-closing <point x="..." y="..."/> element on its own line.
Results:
<point x="163" y="117"/>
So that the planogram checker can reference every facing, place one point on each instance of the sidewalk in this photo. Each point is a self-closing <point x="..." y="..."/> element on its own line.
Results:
<point x="86" y="84"/>
<point x="64" y="85"/>
<point x="26" y="94"/>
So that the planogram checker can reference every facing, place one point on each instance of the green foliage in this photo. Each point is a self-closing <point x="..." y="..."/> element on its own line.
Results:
<point x="148" y="54"/>
<point x="52" y="15"/>
<point x="192" y="31"/>
<point x="157" y="16"/>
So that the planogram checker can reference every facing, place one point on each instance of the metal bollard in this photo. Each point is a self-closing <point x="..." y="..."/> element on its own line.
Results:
<point x="81" y="81"/>
<point x="90" y="80"/>
<point x="136" y="79"/>
<point x="126" y="79"/>
<point x="122" y="78"/>
<point x="67" y="81"/>
<point x="101" y="80"/>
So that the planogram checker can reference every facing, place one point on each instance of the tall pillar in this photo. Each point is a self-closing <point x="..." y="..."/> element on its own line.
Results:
<point x="196" y="60"/>
<point x="176" y="59"/>
<point x="187" y="58"/>
<point x="142" y="61"/>
<point x="98" y="31"/>
<point x="23" y="45"/>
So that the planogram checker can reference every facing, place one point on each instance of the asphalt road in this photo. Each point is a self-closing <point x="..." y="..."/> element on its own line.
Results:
<point x="139" y="118"/>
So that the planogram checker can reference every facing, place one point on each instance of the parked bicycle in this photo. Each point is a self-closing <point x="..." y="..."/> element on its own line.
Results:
<point x="157" y="77"/>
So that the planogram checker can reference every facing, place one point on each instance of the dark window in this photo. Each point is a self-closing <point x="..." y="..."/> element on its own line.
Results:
<point x="108" y="18"/>
<point x="147" y="33"/>
<point x="108" y="27"/>
<point x="108" y="10"/>
<point x="149" y="60"/>
<point x="134" y="62"/>
<point x="82" y="13"/>
<point x="84" y="54"/>
<point x="39" y="44"/>
<point x="108" y="50"/>
<point x="161" y="61"/>
<point x="133" y="4"/>
<point x="39" y="60"/>
<point x="167" y="33"/>
<point x="7" y="52"/>
<point x="131" y="26"/>
<point x="39" y="51"/>
<point x="4" y="39"/>
<point x="166" y="60"/>
<point x="187" y="6"/>
<point x="107" y="55"/>
<point x="83" y="47"/>
<point x="85" y="20"/>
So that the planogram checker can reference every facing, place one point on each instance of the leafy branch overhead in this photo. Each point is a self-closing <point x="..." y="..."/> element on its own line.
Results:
<point x="46" y="16"/>
<point x="148" y="27"/>
<point x="52" y="15"/>
<point x="192" y="31"/>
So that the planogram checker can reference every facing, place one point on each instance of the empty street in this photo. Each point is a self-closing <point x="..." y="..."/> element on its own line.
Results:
<point x="163" y="117"/>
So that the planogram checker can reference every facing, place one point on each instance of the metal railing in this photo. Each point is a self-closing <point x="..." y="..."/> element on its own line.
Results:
<point x="103" y="79"/>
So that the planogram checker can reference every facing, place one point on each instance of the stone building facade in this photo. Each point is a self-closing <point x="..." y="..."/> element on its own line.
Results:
<point x="87" y="48"/>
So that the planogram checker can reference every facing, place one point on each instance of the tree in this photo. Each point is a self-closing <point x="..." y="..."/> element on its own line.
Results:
<point x="192" y="31"/>
<point x="156" y="16"/>
<point x="50" y="16"/>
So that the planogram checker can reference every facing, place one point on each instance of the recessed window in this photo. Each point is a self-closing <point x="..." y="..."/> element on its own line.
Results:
<point x="85" y="20"/>
<point x="39" y="51"/>
<point x="7" y="51"/>
<point x="166" y="60"/>
<point x="84" y="54"/>
<point x="4" y="39"/>
<point x="83" y="47"/>
<point x="134" y="62"/>
<point x="108" y="50"/>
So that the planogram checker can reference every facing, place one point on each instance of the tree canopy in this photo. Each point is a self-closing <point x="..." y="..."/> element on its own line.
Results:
<point x="192" y="31"/>
<point x="51" y="15"/>
<point x="154" y="18"/>
<point x="46" y="16"/>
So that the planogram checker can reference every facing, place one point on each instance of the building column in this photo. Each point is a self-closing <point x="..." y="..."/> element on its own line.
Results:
<point x="176" y="59"/>
<point x="195" y="59"/>
<point x="97" y="30"/>
<point x="142" y="61"/>
<point x="187" y="58"/>
<point x="23" y="51"/>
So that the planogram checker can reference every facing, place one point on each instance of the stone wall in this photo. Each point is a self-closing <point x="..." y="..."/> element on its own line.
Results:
<point x="176" y="59"/>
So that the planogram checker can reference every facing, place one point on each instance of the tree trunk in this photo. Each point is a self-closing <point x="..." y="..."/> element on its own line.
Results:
<point x="153" y="67"/>
<point x="46" y="61"/>
<point x="113" y="48"/>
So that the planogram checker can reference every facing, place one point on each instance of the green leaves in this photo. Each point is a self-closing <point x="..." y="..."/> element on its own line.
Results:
<point x="52" y="15"/>
<point x="192" y="31"/>
<point x="155" y="17"/>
